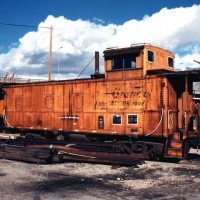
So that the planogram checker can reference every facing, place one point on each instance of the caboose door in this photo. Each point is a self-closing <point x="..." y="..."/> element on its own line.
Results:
<point x="63" y="111"/>
<point x="171" y="105"/>
<point x="72" y="106"/>
<point x="59" y="107"/>
<point x="67" y="108"/>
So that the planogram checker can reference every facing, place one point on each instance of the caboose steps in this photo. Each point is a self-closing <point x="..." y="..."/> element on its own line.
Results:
<point x="178" y="135"/>
<point x="175" y="146"/>
<point x="174" y="152"/>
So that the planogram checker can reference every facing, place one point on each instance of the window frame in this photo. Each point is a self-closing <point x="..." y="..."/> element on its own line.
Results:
<point x="123" y="62"/>
<point x="168" y="61"/>
<point x="128" y="119"/>
<point x="101" y="122"/>
<point x="117" y="116"/>
<point x="149" y="50"/>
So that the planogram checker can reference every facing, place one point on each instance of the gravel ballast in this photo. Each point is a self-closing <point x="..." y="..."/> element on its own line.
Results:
<point x="69" y="180"/>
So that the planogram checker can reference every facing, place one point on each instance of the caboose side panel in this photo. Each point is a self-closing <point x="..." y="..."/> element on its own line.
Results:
<point x="37" y="107"/>
<point x="28" y="106"/>
<point x="14" y="106"/>
<point x="187" y="108"/>
<point x="109" y="106"/>
<point x="88" y="103"/>
<point x="171" y="109"/>
<point x="58" y="106"/>
<point x="153" y="106"/>
<point x="158" y="59"/>
<point x="43" y="107"/>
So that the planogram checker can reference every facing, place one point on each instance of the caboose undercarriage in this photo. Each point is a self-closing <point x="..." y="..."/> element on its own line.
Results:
<point x="130" y="147"/>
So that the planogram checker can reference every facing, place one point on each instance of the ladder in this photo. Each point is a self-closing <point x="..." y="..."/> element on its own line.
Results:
<point x="176" y="147"/>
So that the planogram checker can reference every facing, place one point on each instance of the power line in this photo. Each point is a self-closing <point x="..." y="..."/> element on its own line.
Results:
<point x="85" y="67"/>
<point x="22" y="25"/>
<point x="31" y="26"/>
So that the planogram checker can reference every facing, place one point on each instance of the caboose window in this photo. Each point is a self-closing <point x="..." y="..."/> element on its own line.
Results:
<point x="170" y="62"/>
<point x="126" y="61"/>
<point x="116" y="120"/>
<point x="132" y="119"/>
<point x="150" y="55"/>
<point x="101" y="122"/>
<point x="117" y="63"/>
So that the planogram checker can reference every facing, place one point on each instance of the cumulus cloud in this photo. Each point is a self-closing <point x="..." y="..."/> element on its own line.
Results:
<point x="175" y="29"/>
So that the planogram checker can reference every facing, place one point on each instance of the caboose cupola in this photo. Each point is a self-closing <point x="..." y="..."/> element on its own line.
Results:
<point x="137" y="61"/>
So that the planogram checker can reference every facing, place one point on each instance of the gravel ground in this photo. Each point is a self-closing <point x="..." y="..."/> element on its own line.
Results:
<point x="82" y="181"/>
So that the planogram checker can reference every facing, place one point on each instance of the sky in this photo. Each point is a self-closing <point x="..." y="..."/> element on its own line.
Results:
<point x="81" y="27"/>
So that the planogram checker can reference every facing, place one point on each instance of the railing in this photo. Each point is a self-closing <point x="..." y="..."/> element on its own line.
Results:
<point x="19" y="80"/>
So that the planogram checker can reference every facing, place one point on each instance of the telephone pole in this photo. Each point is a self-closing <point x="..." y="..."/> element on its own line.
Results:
<point x="50" y="53"/>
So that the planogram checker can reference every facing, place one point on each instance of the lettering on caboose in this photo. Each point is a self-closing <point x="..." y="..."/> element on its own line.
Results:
<point x="116" y="98"/>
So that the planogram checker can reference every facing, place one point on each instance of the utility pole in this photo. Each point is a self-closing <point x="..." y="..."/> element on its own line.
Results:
<point x="50" y="53"/>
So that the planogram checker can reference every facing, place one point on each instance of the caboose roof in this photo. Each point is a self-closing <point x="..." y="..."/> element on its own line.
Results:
<point x="119" y="51"/>
<point x="194" y="74"/>
<point x="134" y="48"/>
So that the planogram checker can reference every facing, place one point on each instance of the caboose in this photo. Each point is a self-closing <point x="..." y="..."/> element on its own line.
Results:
<point x="139" y="98"/>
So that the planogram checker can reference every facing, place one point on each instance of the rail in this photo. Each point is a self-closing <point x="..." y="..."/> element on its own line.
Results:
<point x="49" y="151"/>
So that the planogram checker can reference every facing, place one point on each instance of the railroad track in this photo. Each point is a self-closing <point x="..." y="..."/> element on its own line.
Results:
<point x="50" y="151"/>
<point x="54" y="151"/>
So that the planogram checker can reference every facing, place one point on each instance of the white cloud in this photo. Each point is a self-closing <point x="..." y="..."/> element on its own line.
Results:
<point x="187" y="55"/>
<point x="176" y="29"/>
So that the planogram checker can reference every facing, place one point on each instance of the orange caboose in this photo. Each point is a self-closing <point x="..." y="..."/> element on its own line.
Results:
<point x="140" y="97"/>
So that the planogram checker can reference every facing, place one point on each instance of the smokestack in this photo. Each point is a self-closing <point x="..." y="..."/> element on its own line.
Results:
<point x="96" y="62"/>
<point x="96" y="73"/>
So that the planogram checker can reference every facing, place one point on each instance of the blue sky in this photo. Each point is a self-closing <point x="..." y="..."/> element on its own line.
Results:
<point x="111" y="17"/>
<point x="32" y="12"/>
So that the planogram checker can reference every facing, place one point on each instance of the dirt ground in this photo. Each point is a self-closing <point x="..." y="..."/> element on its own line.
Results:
<point x="82" y="181"/>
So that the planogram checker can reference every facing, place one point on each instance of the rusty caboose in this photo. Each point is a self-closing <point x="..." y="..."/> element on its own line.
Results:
<point x="140" y="97"/>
